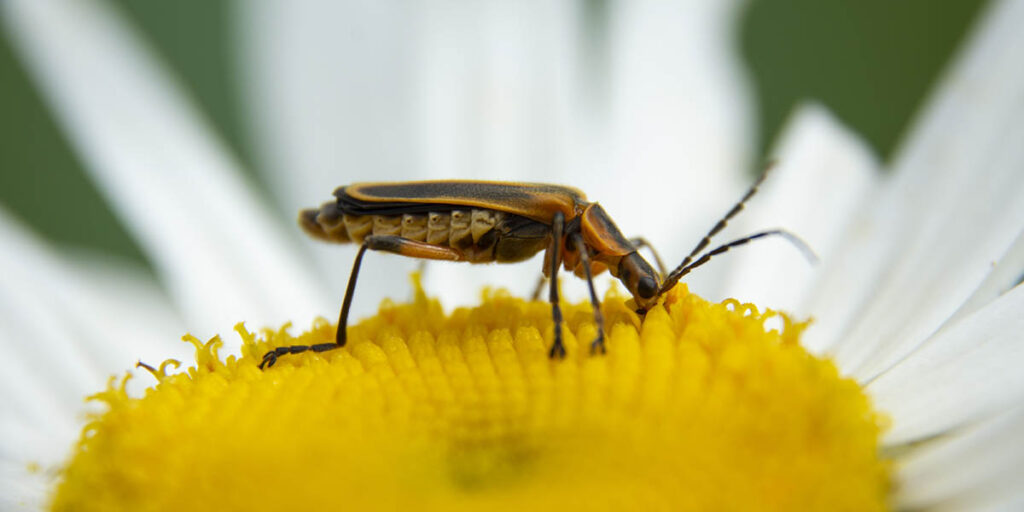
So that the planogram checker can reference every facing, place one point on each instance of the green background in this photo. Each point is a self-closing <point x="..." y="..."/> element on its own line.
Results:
<point x="872" y="62"/>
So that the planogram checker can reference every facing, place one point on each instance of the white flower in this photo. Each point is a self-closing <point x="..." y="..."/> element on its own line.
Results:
<point x="915" y="296"/>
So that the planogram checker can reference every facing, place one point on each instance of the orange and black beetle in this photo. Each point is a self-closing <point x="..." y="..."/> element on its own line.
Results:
<point x="489" y="221"/>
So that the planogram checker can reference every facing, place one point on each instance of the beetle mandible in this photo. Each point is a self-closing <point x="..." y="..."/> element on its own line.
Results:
<point x="490" y="221"/>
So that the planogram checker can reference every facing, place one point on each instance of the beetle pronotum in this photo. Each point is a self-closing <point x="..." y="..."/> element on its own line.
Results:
<point x="488" y="221"/>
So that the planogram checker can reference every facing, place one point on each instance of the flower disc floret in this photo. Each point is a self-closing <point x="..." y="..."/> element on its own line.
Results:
<point x="697" y="406"/>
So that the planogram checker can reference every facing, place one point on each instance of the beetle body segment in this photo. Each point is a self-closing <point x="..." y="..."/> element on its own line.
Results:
<point x="479" y="235"/>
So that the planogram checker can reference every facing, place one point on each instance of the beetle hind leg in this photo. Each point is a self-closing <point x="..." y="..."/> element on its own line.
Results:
<point x="385" y="243"/>
<point x="271" y="357"/>
<point x="340" y="336"/>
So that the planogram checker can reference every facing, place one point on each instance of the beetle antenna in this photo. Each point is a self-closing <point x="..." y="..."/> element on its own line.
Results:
<point x="736" y="209"/>
<point x="674" y="277"/>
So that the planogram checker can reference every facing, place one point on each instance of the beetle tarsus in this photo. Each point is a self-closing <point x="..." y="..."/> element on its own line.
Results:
<point x="557" y="350"/>
<point x="597" y="346"/>
<point x="268" y="360"/>
<point x="271" y="356"/>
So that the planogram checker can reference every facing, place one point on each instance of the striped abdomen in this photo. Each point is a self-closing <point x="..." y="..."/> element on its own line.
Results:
<point x="482" y="235"/>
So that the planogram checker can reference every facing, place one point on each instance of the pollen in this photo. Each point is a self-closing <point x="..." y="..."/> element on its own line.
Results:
<point x="696" y="406"/>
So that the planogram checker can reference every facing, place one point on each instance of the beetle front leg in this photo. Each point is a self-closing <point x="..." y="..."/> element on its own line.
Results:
<point x="557" y="348"/>
<point x="598" y="344"/>
<point x="640" y="243"/>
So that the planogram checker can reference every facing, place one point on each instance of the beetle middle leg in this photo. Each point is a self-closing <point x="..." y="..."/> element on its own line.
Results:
<point x="557" y="348"/>
<point x="385" y="243"/>
<point x="598" y="344"/>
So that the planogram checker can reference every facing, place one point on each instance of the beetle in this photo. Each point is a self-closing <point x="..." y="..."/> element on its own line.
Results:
<point x="503" y="222"/>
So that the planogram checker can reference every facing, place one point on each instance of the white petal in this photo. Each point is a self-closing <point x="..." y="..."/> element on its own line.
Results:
<point x="1008" y="499"/>
<point x="823" y="174"/>
<point x="22" y="489"/>
<point x="680" y="128"/>
<point x="968" y="371"/>
<point x="951" y="209"/>
<point x="1003" y="276"/>
<point x="122" y="303"/>
<point x="347" y="92"/>
<point x="329" y="87"/>
<point x="976" y="468"/>
<point x="38" y="328"/>
<point x="179" y="191"/>
<point x="500" y="90"/>
<point x="64" y="329"/>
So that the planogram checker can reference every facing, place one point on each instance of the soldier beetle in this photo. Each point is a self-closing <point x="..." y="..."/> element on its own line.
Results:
<point x="489" y="221"/>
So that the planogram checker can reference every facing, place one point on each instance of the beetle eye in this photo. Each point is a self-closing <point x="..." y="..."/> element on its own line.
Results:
<point x="646" y="287"/>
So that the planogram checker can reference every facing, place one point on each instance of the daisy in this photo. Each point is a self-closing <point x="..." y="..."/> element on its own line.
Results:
<point x="915" y="298"/>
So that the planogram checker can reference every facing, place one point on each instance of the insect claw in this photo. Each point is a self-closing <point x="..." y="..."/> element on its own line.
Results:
<point x="269" y="359"/>
<point x="557" y="350"/>
<point x="597" y="346"/>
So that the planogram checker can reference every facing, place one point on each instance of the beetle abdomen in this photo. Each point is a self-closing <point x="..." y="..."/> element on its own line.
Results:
<point x="474" y="231"/>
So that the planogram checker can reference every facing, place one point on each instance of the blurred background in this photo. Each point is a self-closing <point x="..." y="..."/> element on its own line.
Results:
<point x="871" y="62"/>
<point x="630" y="101"/>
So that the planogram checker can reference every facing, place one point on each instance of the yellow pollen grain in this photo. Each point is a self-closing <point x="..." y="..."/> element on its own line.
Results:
<point x="697" y="406"/>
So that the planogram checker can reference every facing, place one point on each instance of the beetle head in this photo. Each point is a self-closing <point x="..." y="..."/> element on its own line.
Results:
<point x="640" y="278"/>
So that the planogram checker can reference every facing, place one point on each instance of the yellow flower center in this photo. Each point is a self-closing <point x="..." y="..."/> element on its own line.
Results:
<point x="698" y="406"/>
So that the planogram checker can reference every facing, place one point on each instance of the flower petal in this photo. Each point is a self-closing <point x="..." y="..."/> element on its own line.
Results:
<point x="824" y="173"/>
<point x="62" y="312"/>
<point x="36" y="329"/>
<point x="1006" y="274"/>
<point x="529" y="91"/>
<point x="345" y="92"/>
<point x="680" y="127"/>
<point x="176" y="187"/>
<point x="55" y="323"/>
<point x="21" y="489"/>
<point x="968" y="371"/>
<point x="973" y="469"/>
<point x="951" y="208"/>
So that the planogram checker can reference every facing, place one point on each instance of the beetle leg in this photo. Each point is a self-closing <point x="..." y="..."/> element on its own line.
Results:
<point x="538" y="288"/>
<point x="392" y="244"/>
<point x="641" y="242"/>
<point x="557" y="348"/>
<point x="339" y="338"/>
<point x="598" y="344"/>
<point x="386" y="243"/>
<point x="412" y="248"/>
